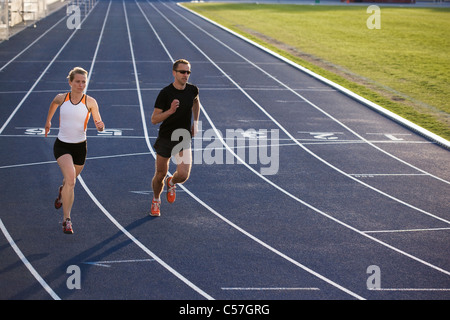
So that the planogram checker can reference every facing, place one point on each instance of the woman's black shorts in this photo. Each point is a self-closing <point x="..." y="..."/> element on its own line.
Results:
<point x="78" y="151"/>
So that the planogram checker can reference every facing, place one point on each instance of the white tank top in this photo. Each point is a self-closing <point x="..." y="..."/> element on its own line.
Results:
<point x="73" y="119"/>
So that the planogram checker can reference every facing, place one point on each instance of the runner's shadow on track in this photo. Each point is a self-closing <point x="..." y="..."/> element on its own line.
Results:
<point x="31" y="258"/>
<point x="57" y="278"/>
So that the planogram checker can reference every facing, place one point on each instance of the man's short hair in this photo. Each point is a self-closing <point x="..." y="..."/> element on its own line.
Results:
<point x="176" y="63"/>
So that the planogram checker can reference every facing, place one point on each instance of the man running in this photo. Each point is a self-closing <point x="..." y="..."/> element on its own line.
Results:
<point x="174" y="108"/>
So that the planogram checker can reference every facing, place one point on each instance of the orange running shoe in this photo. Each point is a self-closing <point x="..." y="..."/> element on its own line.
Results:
<point x="170" y="191"/>
<point x="155" y="208"/>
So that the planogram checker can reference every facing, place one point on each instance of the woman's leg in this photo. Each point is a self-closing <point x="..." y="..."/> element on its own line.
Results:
<point x="70" y="173"/>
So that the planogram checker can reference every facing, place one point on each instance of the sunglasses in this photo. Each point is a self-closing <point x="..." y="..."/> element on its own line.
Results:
<point x="183" y="71"/>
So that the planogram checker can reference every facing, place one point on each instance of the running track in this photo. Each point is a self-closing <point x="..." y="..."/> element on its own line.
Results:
<point x="352" y="188"/>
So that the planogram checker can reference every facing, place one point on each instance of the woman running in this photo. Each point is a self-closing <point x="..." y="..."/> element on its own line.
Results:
<point x="70" y="147"/>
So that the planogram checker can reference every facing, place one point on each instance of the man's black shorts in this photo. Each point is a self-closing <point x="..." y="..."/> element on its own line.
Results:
<point x="78" y="151"/>
<point x="166" y="148"/>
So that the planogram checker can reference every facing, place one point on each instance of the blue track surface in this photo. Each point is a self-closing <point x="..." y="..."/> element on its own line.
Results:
<point x="352" y="188"/>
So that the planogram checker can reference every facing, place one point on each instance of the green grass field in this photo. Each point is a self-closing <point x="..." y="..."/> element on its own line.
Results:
<point x="404" y="66"/>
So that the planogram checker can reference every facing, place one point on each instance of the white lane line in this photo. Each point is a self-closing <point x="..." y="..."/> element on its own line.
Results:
<point x="107" y="264"/>
<point x="386" y="174"/>
<point x="286" y="192"/>
<point x="406" y="230"/>
<point x="88" y="158"/>
<point x="147" y="192"/>
<point x="409" y="289"/>
<point x="270" y="289"/>
<point x="27" y="263"/>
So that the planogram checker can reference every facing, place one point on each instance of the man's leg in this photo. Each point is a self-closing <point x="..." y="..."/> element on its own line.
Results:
<point x="184" y="160"/>
<point x="161" y="169"/>
<point x="184" y="164"/>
